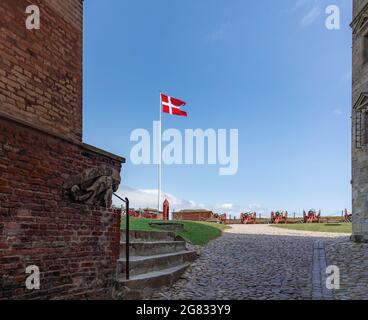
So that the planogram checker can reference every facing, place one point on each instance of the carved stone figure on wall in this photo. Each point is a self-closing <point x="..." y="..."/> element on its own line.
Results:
<point x="94" y="186"/>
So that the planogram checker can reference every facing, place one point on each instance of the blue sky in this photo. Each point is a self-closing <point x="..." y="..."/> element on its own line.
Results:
<point x="268" y="68"/>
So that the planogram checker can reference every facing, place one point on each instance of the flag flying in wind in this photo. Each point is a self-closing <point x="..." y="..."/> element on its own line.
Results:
<point x="172" y="106"/>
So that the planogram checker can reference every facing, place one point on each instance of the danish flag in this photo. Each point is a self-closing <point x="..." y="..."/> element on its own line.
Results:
<point x="172" y="106"/>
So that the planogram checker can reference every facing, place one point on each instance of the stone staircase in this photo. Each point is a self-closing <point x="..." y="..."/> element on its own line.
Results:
<point x="157" y="259"/>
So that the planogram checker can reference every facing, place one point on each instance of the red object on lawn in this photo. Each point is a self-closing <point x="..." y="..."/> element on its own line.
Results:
<point x="223" y="218"/>
<point x="249" y="218"/>
<point x="312" y="216"/>
<point x="279" y="217"/>
<point x="348" y="217"/>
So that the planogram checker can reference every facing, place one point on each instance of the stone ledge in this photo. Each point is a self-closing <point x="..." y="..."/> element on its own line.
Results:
<point x="84" y="146"/>
<point x="103" y="153"/>
<point x="358" y="7"/>
<point x="361" y="16"/>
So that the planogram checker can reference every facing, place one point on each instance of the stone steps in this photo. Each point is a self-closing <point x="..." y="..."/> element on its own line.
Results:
<point x="148" y="236"/>
<point x="152" y="248"/>
<point x="143" y="285"/>
<point x="157" y="259"/>
<point x="143" y="264"/>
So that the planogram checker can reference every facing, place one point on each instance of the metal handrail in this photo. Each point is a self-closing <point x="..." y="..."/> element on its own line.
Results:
<point x="127" y="240"/>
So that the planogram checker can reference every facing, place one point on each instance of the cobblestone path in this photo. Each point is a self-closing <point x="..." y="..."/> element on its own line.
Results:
<point x="257" y="262"/>
<point x="352" y="260"/>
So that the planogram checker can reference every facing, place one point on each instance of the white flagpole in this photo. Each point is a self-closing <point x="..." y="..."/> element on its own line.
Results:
<point x="160" y="159"/>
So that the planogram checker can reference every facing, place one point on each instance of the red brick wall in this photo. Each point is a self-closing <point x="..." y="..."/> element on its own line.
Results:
<point x="193" y="216"/>
<point x="41" y="70"/>
<point x="75" y="246"/>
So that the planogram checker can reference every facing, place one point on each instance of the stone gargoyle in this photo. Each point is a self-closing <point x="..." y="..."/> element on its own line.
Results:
<point x="94" y="186"/>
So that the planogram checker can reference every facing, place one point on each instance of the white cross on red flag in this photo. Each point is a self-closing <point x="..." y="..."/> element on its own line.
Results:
<point x="172" y="105"/>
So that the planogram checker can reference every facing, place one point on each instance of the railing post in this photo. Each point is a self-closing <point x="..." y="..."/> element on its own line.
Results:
<point x="127" y="230"/>
<point x="127" y="239"/>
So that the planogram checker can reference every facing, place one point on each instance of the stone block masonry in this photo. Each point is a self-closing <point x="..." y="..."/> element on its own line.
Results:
<point x="360" y="121"/>
<point x="75" y="246"/>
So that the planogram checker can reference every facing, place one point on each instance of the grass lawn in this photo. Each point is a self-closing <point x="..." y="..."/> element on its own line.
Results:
<point x="322" y="227"/>
<point x="199" y="233"/>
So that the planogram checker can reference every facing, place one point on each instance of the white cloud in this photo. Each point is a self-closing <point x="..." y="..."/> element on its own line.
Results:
<point x="227" y="206"/>
<point x="220" y="32"/>
<point x="300" y="3"/>
<point x="337" y="112"/>
<point x="310" y="9"/>
<point x="311" y="16"/>
<point x="147" y="198"/>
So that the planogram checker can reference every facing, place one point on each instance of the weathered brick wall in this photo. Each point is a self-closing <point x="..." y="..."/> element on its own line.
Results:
<point x="192" y="216"/>
<point x="41" y="70"/>
<point x="75" y="246"/>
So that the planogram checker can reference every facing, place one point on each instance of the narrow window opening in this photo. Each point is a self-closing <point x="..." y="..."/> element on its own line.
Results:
<point x="365" y="49"/>
<point x="361" y="128"/>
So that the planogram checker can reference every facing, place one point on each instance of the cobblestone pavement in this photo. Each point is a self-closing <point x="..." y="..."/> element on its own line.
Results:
<point x="257" y="262"/>
<point x="352" y="260"/>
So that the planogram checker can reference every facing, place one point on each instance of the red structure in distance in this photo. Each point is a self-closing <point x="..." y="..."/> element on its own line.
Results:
<point x="166" y="210"/>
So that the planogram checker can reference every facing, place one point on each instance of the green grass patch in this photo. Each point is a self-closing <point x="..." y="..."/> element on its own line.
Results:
<point x="318" y="227"/>
<point x="198" y="233"/>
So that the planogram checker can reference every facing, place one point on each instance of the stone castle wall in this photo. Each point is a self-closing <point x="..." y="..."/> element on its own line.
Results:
<point x="360" y="121"/>
<point x="358" y="6"/>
